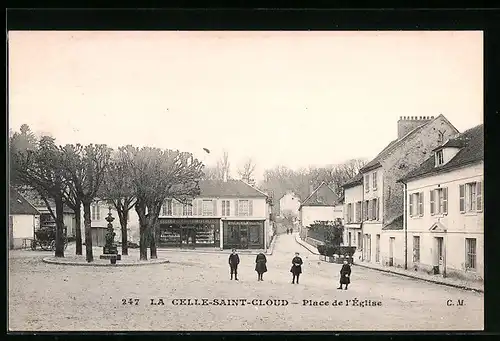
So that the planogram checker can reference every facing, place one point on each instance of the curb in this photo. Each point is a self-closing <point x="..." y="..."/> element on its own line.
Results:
<point x="422" y="279"/>
<point x="303" y="244"/>
<point x="50" y="260"/>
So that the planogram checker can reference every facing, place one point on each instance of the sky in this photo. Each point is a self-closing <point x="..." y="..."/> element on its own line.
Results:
<point x="297" y="99"/>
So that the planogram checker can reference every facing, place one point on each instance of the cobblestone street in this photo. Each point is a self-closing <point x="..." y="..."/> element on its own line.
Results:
<point x="55" y="297"/>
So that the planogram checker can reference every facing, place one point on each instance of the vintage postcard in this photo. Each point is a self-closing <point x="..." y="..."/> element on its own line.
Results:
<point x="245" y="181"/>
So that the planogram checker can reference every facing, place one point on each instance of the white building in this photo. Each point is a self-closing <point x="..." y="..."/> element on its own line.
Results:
<point x="24" y="219"/>
<point x="289" y="202"/>
<point x="353" y="199"/>
<point x="444" y="212"/>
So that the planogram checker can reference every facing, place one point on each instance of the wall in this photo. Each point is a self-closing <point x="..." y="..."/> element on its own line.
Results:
<point x="459" y="225"/>
<point x="406" y="158"/>
<point x="399" y="244"/>
<point x="313" y="213"/>
<point x="289" y="202"/>
<point x="23" y="225"/>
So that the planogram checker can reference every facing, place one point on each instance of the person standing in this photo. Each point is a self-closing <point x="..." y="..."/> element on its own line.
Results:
<point x="234" y="260"/>
<point x="296" y="269"/>
<point x="345" y="275"/>
<point x="260" y="265"/>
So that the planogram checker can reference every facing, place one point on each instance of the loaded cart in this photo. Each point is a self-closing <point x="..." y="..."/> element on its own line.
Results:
<point x="45" y="238"/>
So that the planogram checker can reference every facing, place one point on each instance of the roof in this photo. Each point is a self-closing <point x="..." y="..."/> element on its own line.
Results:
<point x="19" y="205"/>
<point x="375" y="163"/>
<point x="472" y="151"/>
<point x="309" y="201"/>
<point x="395" y="224"/>
<point x="229" y="189"/>
<point x="356" y="180"/>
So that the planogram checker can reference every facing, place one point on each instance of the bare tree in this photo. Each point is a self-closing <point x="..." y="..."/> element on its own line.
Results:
<point x="247" y="171"/>
<point x="224" y="167"/>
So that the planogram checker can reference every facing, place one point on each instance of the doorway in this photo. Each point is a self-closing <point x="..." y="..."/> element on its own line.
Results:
<point x="439" y="254"/>
<point x="391" y="251"/>
<point x="349" y="238"/>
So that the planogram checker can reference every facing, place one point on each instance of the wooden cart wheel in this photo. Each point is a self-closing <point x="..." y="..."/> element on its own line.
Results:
<point x="53" y="245"/>
<point x="65" y="244"/>
<point x="33" y="245"/>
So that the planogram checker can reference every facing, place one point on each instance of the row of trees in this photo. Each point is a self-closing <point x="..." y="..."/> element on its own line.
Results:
<point x="127" y="178"/>
<point x="281" y="179"/>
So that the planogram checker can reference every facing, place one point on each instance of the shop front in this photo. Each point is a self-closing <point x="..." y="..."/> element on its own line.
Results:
<point x="189" y="233"/>
<point x="243" y="234"/>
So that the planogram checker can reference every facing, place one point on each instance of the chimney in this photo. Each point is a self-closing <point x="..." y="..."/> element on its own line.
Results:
<point x="409" y="123"/>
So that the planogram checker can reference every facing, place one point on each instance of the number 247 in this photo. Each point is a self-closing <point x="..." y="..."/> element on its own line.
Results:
<point x="131" y="301"/>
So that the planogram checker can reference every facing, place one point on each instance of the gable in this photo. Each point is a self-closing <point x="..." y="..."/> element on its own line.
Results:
<point x="437" y="227"/>
<point x="323" y="195"/>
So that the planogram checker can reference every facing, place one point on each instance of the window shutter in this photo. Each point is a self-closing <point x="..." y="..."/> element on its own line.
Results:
<point x="250" y="208"/>
<point x="199" y="204"/>
<point x="445" y="200"/>
<point x="479" y="196"/>
<point x="228" y="207"/>
<point x="378" y="209"/>
<point x="195" y="207"/>
<point x="410" y="199"/>
<point x="421" y="204"/>
<point x="346" y="211"/>
<point x="432" y="202"/>
<point x="215" y="206"/>
<point x="236" y="208"/>
<point x="223" y="207"/>
<point x="462" y="198"/>
<point x="370" y="210"/>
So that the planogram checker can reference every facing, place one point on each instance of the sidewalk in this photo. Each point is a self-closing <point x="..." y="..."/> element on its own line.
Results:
<point x="452" y="282"/>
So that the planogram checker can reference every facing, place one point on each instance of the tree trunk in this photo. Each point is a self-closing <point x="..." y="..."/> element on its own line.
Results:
<point x="88" y="232"/>
<point x="153" y="239"/>
<point x="59" y="228"/>
<point x="78" y="230"/>
<point x="143" y="231"/>
<point x="123" y="224"/>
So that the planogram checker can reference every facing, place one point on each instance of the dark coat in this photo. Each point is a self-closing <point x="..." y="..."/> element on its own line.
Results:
<point x="260" y="263"/>
<point x="296" y="265"/>
<point x="234" y="260"/>
<point x="346" y="270"/>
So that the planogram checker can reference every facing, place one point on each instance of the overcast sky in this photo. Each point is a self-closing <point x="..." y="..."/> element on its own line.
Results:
<point x="290" y="98"/>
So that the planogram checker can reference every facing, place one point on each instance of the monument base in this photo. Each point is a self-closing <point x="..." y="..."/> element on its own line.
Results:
<point x="113" y="257"/>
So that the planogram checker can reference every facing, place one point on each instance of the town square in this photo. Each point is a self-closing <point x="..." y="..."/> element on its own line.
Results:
<point x="245" y="181"/>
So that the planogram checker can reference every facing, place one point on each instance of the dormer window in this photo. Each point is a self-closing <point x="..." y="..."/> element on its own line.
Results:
<point x="439" y="157"/>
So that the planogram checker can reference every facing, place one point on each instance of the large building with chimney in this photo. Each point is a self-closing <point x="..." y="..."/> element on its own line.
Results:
<point x="444" y="217"/>
<point x="381" y="206"/>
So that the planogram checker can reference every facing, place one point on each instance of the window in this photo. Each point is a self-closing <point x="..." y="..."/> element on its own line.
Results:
<point x="349" y="214"/>
<point x="187" y="209"/>
<point x="374" y="181"/>
<point x="95" y="211"/>
<point x="367" y="183"/>
<point x="226" y="208"/>
<point x="166" y="208"/>
<point x="375" y="211"/>
<point x="207" y="208"/>
<point x="471" y="197"/>
<point x="416" y="249"/>
<point x="439" y="158"/>
<point x="358" y="212"/>
<point x="416" y="204"/>
<point x="439" y="201"/>
<point x="377" y="248"/>
<point x="470" y="248"/>
<point x="245" y="207"/>
<point x="360" y="241"/>
<point x="177" y="208"/>
<point x="366" y="210"/>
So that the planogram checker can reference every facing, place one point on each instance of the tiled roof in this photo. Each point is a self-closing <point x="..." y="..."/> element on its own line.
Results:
<point x="395" y="224"/>
<point x="394" y="144"/>
<point x="229" y="189"/>
<point x="473" y="151"/>
<point x="358" y="179"/>
<point x="19" y="205"/>
<point x="311" y="200"/>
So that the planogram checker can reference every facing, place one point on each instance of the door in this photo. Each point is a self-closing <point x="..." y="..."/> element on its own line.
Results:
<point x="377" y="248"/>
<point x="391" y="251"/>
<point x="439" y="253"/>
<point x="349" y="238"/>
<point x="243" y="237"/>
